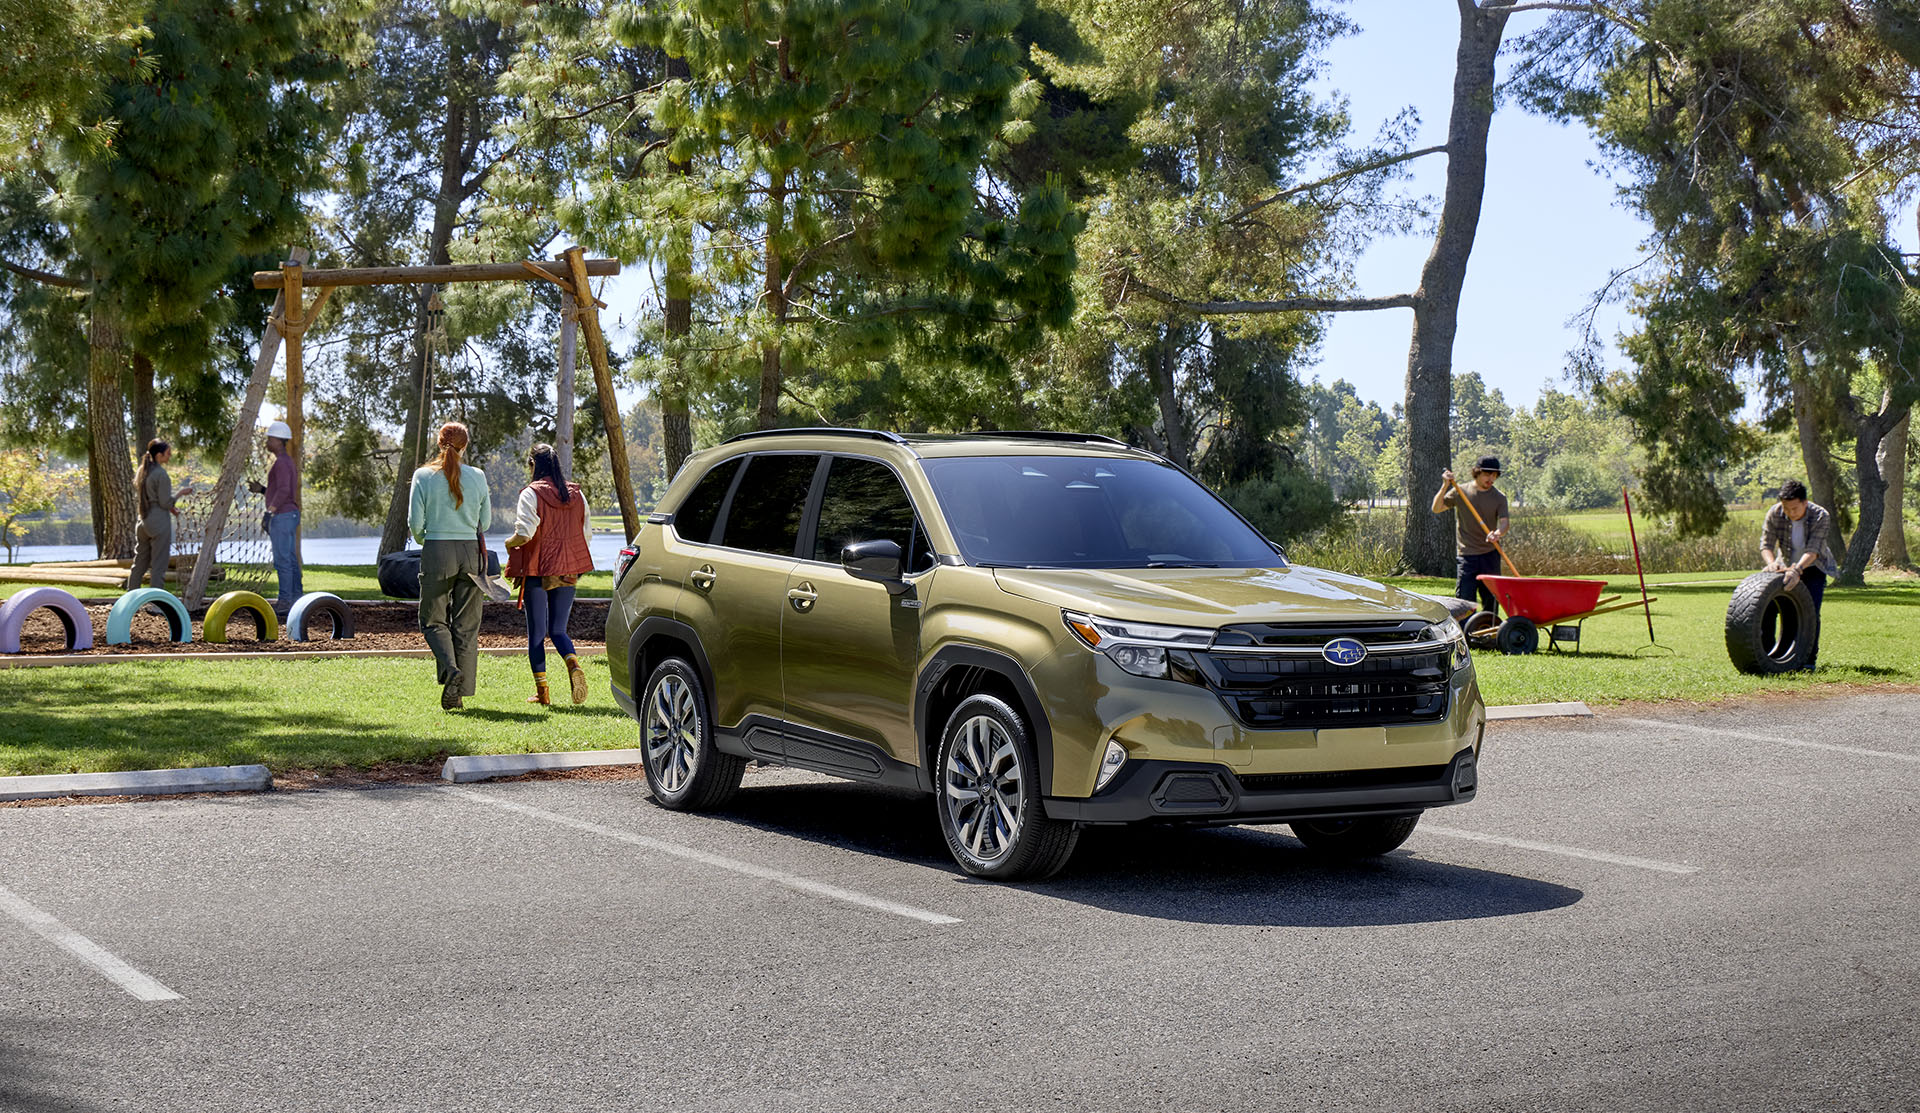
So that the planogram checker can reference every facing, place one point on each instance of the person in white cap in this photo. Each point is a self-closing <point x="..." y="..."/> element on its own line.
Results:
<point x="283" y="513"/>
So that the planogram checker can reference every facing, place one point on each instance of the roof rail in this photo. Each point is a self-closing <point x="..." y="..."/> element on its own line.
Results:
<point x="1050" y="435"/>
<point x="820" y="431"/>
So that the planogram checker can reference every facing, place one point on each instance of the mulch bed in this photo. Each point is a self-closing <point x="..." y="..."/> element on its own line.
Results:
<point x="378" y="625"/>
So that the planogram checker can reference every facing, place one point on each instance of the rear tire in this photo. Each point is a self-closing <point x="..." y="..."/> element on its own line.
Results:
<point x="685" y="771"/>
<point x="1518" y="635"/>
<point x="1365" y="837"/>
<point x="987" y="779"/>
<point x="1769" y="628"/>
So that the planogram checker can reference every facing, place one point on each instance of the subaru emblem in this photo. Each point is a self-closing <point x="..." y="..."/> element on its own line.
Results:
<point x="1344" y="651"/>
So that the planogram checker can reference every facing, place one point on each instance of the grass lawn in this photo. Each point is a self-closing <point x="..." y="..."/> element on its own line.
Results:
<point x="1867" y="637"/>
<point x="286" y="715"/>
<point x="329" y="714"/>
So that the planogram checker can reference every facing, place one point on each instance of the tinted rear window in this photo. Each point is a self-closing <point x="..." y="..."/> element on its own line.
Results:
<point x="1089" y="512"/>
<point x="697" y="516"/>
<point x="765" y="513"/>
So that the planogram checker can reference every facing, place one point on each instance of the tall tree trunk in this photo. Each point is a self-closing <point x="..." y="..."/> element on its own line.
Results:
<point x="1870" y="429"/>
<point x="146" y="425"/>
<point x="454" y="168"/>
<point x="107" y="422"/>
<point x="1892" y="547"/>
<point x="1166" y="356"/>
<point x="1823" y="485"/>
<point x="775" y="289"/>
<point x="1428" y="543"/>
<point x="96" y="501"/>
<point x="676" y="422"/>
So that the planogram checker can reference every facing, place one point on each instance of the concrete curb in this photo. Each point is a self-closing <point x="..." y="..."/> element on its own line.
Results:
<point x="59" y="660"/>
<point x="139" y="782"/>
<point x="480" y="767"/>
<point x="1574" y="710"/>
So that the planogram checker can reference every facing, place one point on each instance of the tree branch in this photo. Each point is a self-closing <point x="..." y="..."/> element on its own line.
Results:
<point x="1284" y="305"/>
<point x="45" y="277"/>
<point x="1351" y="171"/>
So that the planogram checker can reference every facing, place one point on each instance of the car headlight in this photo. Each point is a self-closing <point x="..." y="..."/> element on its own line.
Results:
<point x="1448" y="631"/>
<point x="1140" y="648"/>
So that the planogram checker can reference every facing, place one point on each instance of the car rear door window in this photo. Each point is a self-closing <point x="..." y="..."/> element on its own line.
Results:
<point x="697" y="516"/>
<point x="764" y="516"/>
<point x="865" y="502"/>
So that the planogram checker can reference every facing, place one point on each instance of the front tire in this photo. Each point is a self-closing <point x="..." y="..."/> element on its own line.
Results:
<point x="1363" y="837"/>
<point x="685" y="771"/>
<point x="987" y="777"/>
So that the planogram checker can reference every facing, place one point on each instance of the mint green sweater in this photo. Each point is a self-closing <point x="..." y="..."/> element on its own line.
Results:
<point x="431" y="515"/>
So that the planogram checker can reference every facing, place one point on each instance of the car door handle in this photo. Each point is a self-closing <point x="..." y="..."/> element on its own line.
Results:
<point x="703" y="578"/>
<point x="802" y="597"/>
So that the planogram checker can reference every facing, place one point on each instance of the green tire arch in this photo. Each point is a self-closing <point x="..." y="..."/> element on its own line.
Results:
<point x="213" y="628"/>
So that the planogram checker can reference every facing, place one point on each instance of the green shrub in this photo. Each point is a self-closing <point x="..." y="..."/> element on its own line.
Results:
<point x="1577" y="483"/>
<point x="1286" y="505"/>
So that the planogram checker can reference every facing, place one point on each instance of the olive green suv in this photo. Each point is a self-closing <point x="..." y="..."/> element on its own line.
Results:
<point x="1041" y="630"/>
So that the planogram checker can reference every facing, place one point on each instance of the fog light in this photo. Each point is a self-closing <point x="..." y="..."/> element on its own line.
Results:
<point x="1110" y="763"/>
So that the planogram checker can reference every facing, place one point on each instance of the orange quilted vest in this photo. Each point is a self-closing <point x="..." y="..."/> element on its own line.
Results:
<point x="558" y="547"/>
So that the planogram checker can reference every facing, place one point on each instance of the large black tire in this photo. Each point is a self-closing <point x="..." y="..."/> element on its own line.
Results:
<point x="987" y="761"/>
<point x="1517" y="635"/>
<point x="1478" y="621"/>
<point x="685" y="770"/>
<point x="1769" y="628"/>
<point x="1365" y="837"/>
<point x="399" y="574"/>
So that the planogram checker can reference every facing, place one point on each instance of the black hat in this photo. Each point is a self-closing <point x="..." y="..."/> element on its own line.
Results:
<point x="1487" y="463"/>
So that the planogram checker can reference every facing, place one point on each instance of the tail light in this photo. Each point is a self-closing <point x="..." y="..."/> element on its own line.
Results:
<point x="625" y="560"/>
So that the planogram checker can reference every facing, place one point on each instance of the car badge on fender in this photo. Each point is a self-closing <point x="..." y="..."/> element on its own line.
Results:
<point x="1344" y="651"/>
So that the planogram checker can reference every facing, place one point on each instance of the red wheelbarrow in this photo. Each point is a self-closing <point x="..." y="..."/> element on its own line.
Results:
<point x="1560" y="604"/>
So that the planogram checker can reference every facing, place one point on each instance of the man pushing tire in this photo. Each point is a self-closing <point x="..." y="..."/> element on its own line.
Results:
<point x="1773" y="620"/>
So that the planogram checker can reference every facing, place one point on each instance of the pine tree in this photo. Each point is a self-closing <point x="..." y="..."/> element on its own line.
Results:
<point x="213" y="120"/>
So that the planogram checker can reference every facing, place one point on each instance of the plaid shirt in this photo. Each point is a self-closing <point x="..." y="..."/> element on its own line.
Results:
<point x="1777" y="534"/>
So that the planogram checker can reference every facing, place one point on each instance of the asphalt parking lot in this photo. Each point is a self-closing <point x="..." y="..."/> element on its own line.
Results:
<point x="1656" y="909"/>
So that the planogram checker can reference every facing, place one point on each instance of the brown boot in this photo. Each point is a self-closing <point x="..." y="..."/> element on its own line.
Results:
<point x="577" y="676"/>
<point x="540" y="694"/>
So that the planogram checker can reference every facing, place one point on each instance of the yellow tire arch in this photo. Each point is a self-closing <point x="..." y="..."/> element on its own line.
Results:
<point x="213" y="628"/>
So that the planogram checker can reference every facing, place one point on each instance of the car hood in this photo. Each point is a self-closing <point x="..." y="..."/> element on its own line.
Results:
<point x="1215" y="597"/>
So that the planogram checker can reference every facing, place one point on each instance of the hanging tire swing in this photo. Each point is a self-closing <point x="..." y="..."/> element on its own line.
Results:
<point x="120" y="615"/>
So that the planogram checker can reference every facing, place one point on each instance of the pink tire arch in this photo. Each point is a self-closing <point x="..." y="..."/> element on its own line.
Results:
<point x="73" y="615"/>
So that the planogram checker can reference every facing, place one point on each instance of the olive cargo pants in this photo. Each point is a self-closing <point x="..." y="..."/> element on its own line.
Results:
<point x="450" y="608"/>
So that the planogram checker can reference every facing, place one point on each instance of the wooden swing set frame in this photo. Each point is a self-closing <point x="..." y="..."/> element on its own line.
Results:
<point x="292" y="313"/>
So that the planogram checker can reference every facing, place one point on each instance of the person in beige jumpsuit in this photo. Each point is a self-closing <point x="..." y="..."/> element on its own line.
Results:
<point x="153" y="537"/>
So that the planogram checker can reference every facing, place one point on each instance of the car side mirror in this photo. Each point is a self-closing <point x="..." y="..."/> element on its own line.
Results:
<point x="878" y="561"/>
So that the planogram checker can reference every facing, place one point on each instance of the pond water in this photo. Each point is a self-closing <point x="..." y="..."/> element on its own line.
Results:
<point x="323" y="550"/>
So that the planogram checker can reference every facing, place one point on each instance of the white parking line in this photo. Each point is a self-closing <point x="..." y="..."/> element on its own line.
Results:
<point x="86" y="950"/>
<point x="765" y="873"/>
<point x="1775" y="739"/>
<point x="1568" y="851"/>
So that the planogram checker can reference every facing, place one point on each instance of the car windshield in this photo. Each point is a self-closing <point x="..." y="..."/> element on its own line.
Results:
<point x="1090" y="512"/>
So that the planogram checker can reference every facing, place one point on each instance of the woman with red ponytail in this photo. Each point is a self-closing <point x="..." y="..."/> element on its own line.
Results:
<point x="450" y="510"/>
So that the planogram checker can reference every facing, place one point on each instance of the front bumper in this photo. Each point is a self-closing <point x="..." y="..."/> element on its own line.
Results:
<point x="1208" y="793"/>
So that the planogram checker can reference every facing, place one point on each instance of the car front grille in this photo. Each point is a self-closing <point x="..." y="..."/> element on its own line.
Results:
<point x="1295" y="690"/>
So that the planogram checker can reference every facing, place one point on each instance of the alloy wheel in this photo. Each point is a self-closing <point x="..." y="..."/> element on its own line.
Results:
<point x="673" y="733"/>
<point x="982" y="781"/>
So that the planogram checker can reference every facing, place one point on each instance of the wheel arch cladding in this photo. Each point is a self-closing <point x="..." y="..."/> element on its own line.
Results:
<point x="213" y="628"/>
<point x="72" y="613"/>
<point x="959" y="671"/>
<point x="318" y="604"/>
<point x="657" y="639"/>
<point x="120" y="615"/>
